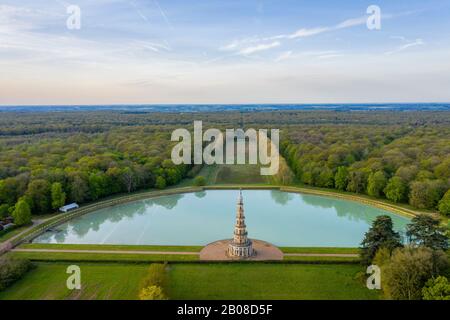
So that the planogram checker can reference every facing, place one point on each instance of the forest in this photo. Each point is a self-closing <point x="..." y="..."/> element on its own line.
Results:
<point x="48" y="159"/>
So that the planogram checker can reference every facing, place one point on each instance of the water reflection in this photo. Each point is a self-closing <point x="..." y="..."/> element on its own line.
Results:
<point x="200" y="194"/>
<point x="281" y="197"/>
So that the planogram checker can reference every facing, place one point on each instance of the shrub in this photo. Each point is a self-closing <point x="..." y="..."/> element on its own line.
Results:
<point x="199" y="181"/>
<point x="156" y="276"/>
<point x="11" y="270"/>
<point x="152" y="293"/>
<point x="160" y="182"/>
<point x="444" y="204"/>
<point x="154" y="284"/>
<point x="382" y="257"/>
<point x="437" y="289"/>
<point x="409" y="269"/>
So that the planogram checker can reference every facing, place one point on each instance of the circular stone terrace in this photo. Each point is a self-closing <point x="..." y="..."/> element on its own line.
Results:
<point x="217" y="251"/>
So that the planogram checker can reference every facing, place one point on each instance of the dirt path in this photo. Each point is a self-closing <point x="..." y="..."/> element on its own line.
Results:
<point x="7" y="244"/>
<point x="344" y="255"/>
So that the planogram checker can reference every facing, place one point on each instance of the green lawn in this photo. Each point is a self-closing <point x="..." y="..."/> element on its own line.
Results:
<point x="196" y="281"/>
<point x="110" y="247"/>
<point x="101" y="257"/>
<point x="99" y="281"/>
<point x="267" y="281"/>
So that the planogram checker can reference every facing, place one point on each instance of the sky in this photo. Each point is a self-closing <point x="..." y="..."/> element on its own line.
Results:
<point x="229" y="51"/>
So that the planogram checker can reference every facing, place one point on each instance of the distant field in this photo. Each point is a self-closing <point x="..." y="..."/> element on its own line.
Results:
<point x="196" y="281"/>
<point x="267" y="281"/>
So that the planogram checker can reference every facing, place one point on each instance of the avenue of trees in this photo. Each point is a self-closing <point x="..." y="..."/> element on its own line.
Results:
<point x="48" y="159"/>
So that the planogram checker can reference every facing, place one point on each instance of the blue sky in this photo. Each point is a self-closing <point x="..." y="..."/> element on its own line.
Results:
<point x="230" y="51"/>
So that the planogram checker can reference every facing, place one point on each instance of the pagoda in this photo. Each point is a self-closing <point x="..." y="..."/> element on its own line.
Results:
<point x="240" y="246"/>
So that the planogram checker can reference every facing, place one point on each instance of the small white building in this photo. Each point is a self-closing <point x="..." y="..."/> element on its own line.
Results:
<point x="69" y="207"/>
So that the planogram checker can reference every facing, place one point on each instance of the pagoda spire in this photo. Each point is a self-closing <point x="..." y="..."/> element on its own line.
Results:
<point x="240" y="246"/>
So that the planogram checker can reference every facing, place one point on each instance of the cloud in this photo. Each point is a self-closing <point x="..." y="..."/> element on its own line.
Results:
<point x="329" y="56"/>
<point x="305" y="32"/>
<point x="417" y="42"/>
<point x="163" y="14"/>
<point x="258" y="48"/>
<point x="237" y="45"/>
<point x="283" y="56"/>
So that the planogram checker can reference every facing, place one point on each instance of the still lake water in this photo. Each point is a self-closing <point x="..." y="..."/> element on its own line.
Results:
<point x="281" y="218"/>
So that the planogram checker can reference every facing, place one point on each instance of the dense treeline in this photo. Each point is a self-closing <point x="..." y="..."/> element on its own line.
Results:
<point x="20" y="123"/>
<point x="400" y="163"/>
<point x="47" y="173"/>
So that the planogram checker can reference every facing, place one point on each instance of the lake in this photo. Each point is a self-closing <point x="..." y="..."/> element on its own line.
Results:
<point x="281" y="218"/>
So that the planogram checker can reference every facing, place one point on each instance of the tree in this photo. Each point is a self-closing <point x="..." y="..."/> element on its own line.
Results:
<point x="39" y="194"/>
<point x="408" y="271"/>
<point x="79" y="189"/>
<point x="98" y="185"/>
<point x="436" y="289"/>
<point x="129" y="179"/>
<point x="199" y="181"/>
<point x="424" y="230"/>
<point x="325" y="178"/>
<point x="58" y="196"/>
<point x="4" y="210"/>
<point x="22" y="213"/>
<point x="396" y="189"/>
<point x="426" y="194"/>
<point x="381" y="234"/>
<point x="341" y="178"/>
<point x="8" y="191"/>
<point x="357" y="181"/>
<point x="152" y="293"/>
<point x="160" y="182"/>
<point x="444" y="204"/>
<point x="376" y="184"/>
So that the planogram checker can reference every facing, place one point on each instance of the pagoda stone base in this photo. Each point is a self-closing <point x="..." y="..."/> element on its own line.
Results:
<point x="262" y="251"/>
